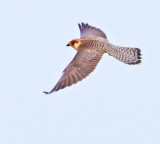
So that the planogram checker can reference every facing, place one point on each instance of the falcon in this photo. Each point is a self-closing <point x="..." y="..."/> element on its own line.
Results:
<point x="90" y="47"/>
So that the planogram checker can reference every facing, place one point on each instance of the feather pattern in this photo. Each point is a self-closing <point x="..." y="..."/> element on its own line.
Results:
<point x="91" y="46"/>
<point x="125" y="54"/>
<point x="87" y="31"/>
<point x="80" y="67"/>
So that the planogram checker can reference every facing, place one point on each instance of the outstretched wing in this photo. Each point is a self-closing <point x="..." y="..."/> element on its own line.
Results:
<point x="81" y="66"/>
<point x="87" y="31"/>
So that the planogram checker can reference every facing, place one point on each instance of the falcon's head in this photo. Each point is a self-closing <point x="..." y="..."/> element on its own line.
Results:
<point x="74" y="43"/>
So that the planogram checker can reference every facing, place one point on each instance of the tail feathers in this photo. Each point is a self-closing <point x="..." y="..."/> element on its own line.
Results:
<point x="127" y="55"/>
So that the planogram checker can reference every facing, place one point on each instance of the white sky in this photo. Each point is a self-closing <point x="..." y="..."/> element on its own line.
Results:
<point x="116" y="104"/>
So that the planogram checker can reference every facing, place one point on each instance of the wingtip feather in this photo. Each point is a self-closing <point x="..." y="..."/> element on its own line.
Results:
<point x="46" y="92"/>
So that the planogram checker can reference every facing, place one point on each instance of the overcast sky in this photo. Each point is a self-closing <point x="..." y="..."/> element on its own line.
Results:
<point x="116" y="104"/>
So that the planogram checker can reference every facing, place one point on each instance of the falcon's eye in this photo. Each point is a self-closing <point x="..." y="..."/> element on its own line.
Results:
<point x="72" y="42"/>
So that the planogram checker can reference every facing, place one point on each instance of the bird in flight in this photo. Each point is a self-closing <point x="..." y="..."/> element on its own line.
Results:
<point x="90" y="47"/>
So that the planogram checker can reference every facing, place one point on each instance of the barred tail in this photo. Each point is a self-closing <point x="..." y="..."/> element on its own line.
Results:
<point x="127" y="55"/>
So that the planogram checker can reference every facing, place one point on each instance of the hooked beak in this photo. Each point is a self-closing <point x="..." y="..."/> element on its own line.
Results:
<point x="68" y="44"/>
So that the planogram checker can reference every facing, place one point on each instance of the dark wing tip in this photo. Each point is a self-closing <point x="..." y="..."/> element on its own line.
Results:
<point x="46" y="92"/>
<point x="87" y="30"/>
<point x="56" y="88"/>
<point x="50" y="91"/>
<point x="79" y="26"/>
<point x="82" y="24"/>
